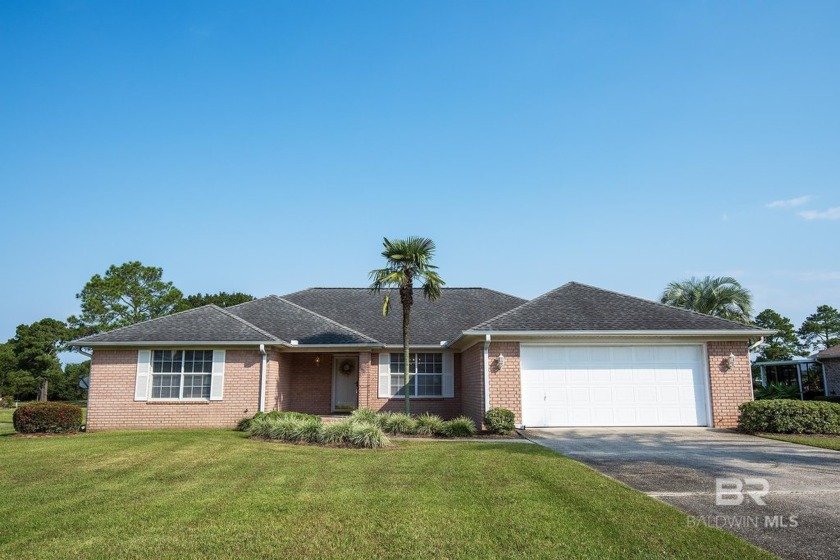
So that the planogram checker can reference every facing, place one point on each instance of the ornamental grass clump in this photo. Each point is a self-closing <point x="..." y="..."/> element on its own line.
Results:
<point x="244" y="425"/>
<point x="429" y="424"/>
<point x="295" y="429"/>
<point x="368" y="416"/>
<point x="459" y="427"/>
<point x="337" y="433"/>
<point x="367" y="435"/>
<point x="400" y="423"/>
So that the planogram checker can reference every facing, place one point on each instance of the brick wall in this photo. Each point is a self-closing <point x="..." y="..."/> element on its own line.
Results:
<point x="112" y="405"/>
<point x="278" y="381"/>
<point x="729" y="387"/>
<point x="310" y="383"/>
<point x="472" y="383"/>
<point x="832" y="375"/>
<point x="447" y="408"/>
<point x="505" y="383"/>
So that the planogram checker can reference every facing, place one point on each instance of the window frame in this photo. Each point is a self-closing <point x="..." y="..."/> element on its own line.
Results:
<point x="413" y="375"/>
<point x="181" y="374"/>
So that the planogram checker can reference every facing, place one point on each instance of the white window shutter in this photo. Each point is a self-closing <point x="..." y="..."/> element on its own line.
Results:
<point x="448" y="375"/>
<point x="141" y="382"/>
<point x="384" y="375"/>
<point x="217" y="379"/>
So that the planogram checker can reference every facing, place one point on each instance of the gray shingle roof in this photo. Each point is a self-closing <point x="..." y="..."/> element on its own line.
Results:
<point x="202" y="324"/>
<point x="833" y="352"/>
<point x="431" y="322"/>
<point x="578" y="307"/>
<point x="289" y="321"/>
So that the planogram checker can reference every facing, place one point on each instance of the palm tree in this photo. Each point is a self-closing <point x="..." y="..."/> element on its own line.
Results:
<point x="407" y="260"/>
<point x="718" y="296"/>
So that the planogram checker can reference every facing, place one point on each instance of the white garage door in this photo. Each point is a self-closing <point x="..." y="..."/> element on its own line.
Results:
<point x="613" y="386"/>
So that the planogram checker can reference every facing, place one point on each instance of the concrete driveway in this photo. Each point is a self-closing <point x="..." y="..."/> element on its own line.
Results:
<point x="801" y="515"/>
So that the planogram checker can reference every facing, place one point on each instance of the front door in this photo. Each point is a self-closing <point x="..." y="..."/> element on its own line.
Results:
<point x="345" y="383"/>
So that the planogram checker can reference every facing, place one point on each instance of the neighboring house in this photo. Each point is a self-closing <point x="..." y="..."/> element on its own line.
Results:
<point x="575" y="356"/>
<point x="830" y="360"/>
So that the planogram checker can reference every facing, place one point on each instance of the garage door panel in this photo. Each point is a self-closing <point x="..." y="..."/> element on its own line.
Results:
<point x="613" y="386"/>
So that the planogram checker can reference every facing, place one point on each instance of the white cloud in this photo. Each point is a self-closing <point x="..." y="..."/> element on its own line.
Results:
<point x="790" y="203"/>
<point x="829" y="214"/>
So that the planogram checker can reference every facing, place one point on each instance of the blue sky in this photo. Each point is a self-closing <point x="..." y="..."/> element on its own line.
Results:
<point x="268" y="146"/>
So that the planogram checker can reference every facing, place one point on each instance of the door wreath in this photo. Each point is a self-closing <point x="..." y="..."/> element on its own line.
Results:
<point x="346" y="367"/>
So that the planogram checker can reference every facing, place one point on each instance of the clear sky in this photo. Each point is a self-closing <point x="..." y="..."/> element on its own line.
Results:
<point x="267" y="147"/>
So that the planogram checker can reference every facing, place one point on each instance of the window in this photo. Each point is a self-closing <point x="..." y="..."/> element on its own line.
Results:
<point x="426" y="374"/>
<point x="181" y="374"/>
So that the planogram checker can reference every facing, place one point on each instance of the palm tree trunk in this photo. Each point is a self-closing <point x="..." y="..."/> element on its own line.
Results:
<point x="406" y="374"/>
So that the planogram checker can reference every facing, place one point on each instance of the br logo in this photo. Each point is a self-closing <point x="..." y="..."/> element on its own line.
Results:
<point x="731" y="491"/>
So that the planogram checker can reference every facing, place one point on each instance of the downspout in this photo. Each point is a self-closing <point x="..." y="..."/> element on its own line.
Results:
<point x="763" y="376"/>
<point x="486" y="374"/>
<point x="262" y="376"/>
<point x="90" y="376"/>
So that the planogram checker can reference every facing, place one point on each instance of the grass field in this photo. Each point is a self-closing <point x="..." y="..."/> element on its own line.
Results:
<point x="826" y="442"/>
<point x="212" y="493"/>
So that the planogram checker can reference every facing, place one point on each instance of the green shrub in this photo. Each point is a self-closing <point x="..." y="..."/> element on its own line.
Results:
<point x="337" y="433"/>
<point x="777" y="391"/>
<point x="790" y="417"/>
<point x="429" y="424"/>
<point x="7" y="402"/>
<point x="828" y="398"/>
<point x="367" y="435"/>
<point x="47" y="417"/>
<point x="499" y="420"/>
<point x="400" y="423"/>
<point x="459" y="427"/>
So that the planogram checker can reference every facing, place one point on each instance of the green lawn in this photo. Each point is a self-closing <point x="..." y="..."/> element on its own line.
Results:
<point x="826" y="442"/>
<point x="206" y="493"/>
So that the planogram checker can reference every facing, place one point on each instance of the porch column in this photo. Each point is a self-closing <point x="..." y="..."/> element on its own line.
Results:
<point x="366" y="374"/>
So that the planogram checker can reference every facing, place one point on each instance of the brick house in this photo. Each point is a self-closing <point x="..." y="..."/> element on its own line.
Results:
<point x="830" y="360"/>
<point x="575" y="356"/>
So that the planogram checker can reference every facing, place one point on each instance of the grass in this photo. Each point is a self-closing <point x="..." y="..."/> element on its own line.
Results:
<point x="826" y="442"/>
<point x="213" y="493"/>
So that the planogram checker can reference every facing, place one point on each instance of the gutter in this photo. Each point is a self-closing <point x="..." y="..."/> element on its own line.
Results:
<point x="487" y="373"/>
<point x="262" y="377"/>
<point x="756" y="345"/>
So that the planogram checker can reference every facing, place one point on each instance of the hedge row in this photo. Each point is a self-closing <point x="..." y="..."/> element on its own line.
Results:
<point x="47" y="417"/>
<point x="790" y="417"/>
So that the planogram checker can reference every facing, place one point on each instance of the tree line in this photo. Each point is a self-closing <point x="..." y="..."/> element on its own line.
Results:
<point x="725" y="297"/>
<point x="130" y="293"/>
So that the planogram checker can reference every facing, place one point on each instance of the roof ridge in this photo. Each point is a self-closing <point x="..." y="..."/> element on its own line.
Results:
<point x="143" y="322"/>
<point x="509" y="311"/>
<point x="660" y="304"/>
<point x="244" y="322"/>
<point x="345" y="327"/>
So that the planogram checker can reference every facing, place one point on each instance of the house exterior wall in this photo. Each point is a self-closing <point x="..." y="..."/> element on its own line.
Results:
<point x="729" y="387"/>
<point x="111" y="404"/>
<point x="831" y="366"/>
<point x="278" y="381"/>
<point x="505" y="382"/>
<point x="472" y="383"/>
